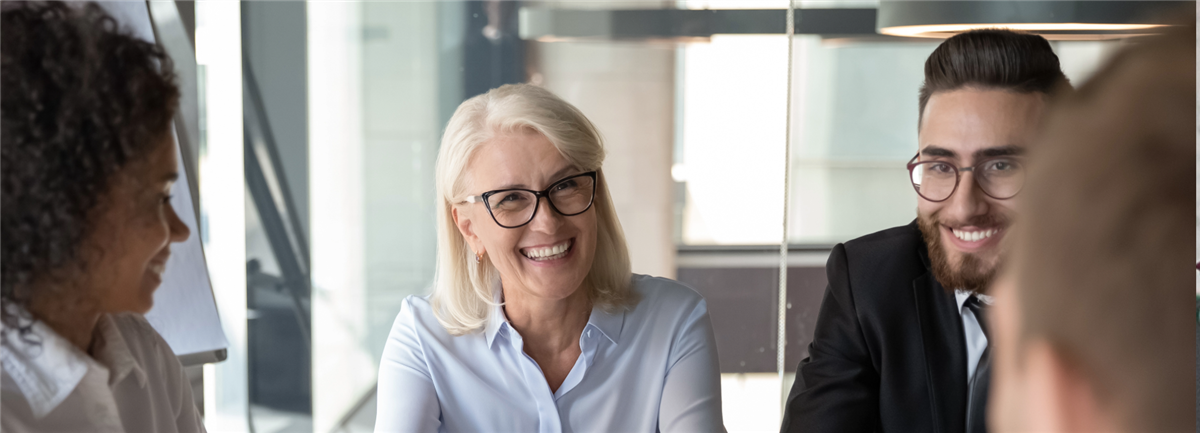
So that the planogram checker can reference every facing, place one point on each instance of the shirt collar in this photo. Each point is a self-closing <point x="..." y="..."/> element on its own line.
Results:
<point x="961" y="296"/>
<point x="47" y="368"/>
<point x="496" y="319"/>
<point x="113" y="351"/>
<point x="609" y="324"/>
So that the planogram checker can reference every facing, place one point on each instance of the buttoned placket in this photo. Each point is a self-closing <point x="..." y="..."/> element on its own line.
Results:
<point x="549" y="420"/>
<point x="535" y="382"/>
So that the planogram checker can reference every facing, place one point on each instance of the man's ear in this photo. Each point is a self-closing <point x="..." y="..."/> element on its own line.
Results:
<point x="463" y="223"/>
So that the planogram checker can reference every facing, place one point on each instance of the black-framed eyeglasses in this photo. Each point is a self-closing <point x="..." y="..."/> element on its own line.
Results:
<point x="513" y="208"/>
<point x="1000" y="177"/>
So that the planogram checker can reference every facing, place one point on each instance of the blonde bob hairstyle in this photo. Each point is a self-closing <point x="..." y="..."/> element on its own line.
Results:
<point x="463" y="290"/>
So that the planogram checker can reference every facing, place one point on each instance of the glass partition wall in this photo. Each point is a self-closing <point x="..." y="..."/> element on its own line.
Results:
<point x="725" y="137"/>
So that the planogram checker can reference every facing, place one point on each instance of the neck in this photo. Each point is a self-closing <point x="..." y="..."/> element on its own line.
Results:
<point x="548" y="326"/>
<point x="73" y="321"/>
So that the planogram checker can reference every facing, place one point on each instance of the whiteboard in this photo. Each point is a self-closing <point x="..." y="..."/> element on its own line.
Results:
<point x="184" y="311"/>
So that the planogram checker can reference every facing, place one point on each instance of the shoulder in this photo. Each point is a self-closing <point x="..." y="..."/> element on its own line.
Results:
<point x="670" y="320"/>
<point x="665" y="306"/>
<point x="417" y="326"/>
<point x="416" y="316"/>
<point x="876" y="272"/>
<point x="885" y="244"/>
<point x="658" y="294"/>
<point x="892" y="253"/>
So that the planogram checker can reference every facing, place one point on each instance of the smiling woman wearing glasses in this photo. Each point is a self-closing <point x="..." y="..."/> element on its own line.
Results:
<point x="535" y="322"/>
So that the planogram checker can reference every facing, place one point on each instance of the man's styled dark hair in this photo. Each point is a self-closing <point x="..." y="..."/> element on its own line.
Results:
<point x="80" y="99"/>
<point x="991" y="59"/>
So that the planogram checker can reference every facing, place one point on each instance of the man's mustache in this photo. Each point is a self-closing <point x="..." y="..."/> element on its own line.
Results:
<point x="986" y="220"/>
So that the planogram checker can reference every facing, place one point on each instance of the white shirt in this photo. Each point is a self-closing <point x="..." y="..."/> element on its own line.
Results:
<point x="975" y="338"/>
<point x="134" y="384"/>
<point x="651" y="367"/>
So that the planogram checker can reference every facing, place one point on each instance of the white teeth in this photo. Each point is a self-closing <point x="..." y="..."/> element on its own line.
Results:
<point x="548" y="253"/>
<point x="974" y="236"/>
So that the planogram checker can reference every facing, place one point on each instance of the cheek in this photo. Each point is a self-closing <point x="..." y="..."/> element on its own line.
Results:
<point x="498" y="241"/>
<point x="1006" y="208"/>
<point x="926" y="208"/>
<point x="155" y="232"/>
<point x="144" y="240"/>
<point x="587" y="230"/>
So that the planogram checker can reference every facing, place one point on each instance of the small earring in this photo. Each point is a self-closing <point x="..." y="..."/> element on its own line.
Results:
<point x="478" y="258"/>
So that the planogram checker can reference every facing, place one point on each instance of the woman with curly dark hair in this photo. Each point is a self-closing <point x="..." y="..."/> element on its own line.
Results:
<point x="85" y="225"/>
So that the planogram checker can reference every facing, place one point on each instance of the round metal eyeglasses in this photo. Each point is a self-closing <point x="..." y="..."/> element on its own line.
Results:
<point x="516" y="207"/>
<point x="1000" y="178"/>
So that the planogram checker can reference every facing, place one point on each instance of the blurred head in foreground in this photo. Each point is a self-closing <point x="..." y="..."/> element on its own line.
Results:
<point x="87" y="165"/>
<point x="1093" y="315"/>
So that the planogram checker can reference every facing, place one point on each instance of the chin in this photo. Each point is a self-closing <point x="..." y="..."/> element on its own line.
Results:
<point x="145" y="297"/>
<point x="561" y="287"/>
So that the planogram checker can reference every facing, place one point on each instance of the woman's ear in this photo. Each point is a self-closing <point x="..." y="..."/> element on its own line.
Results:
<point x="463" y="222"/>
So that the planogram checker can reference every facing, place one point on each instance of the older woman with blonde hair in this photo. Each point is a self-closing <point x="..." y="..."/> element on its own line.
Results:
<point x="535" y="322"/>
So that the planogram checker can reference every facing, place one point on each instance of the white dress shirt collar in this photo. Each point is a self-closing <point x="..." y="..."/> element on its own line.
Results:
<point x="961" y="296"/>
<point x="608" y="324"/>
<point x="48" y="372"/>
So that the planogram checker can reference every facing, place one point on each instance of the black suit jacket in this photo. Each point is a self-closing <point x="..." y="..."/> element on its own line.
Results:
<point x="888" y="353"/>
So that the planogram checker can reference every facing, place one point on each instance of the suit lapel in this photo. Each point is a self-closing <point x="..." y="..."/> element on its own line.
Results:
<point x="945" y="352"/>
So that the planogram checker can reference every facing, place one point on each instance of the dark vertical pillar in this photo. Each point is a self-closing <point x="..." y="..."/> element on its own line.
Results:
<point x="493" y="52"/>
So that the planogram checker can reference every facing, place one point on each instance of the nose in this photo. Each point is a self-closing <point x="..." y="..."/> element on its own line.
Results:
<point x="968" y="201"/>
<point x="179" y="230"/>
<point x="546" y="220"/>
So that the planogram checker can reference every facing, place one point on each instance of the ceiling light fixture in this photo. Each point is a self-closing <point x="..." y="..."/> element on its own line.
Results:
<point x="1055" y="20"/>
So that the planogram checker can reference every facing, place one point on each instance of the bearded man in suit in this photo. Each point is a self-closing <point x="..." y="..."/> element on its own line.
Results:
<point x="901" y="343"/>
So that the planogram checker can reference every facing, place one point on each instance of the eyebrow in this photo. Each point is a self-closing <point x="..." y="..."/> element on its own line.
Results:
<point x="993" y="152"/>
<point x="557" y="176"/>
<point x="937" y="151"/>
<point x="171" y="177"/>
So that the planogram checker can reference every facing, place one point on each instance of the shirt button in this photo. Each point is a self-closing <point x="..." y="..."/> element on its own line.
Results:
<point x="589" y="333"/>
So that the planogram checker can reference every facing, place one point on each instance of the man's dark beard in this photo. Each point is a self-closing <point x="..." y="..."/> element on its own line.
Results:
<point x="972" y="274"/>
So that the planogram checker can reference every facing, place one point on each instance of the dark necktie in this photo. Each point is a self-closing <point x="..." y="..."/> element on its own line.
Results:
<point x="978" y="394"/>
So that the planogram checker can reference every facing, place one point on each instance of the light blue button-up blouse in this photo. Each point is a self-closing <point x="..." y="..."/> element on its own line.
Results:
<point x="651" y="367"/>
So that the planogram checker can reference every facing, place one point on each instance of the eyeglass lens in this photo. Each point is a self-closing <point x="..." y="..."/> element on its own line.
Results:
<point x="1000" y="178"/>
<point x="516" y="207"/>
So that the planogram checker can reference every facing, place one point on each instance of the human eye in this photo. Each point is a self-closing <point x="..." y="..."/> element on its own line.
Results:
<point x="1002" y="165"/>
<point x="566" y="185"/>
<point x="941" y="168"/>
<point x="510" y="197"/>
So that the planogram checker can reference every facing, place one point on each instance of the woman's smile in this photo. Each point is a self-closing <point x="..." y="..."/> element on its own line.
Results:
<point x="549" y="254"/>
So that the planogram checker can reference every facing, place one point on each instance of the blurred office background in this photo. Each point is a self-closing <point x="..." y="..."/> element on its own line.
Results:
<point x="720" y="141"/>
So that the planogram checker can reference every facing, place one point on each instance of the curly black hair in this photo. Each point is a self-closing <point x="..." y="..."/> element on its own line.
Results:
<point x="80" y="98"/>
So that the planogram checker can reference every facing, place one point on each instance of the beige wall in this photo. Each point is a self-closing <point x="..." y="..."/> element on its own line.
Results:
<point x="628" y="91"/>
